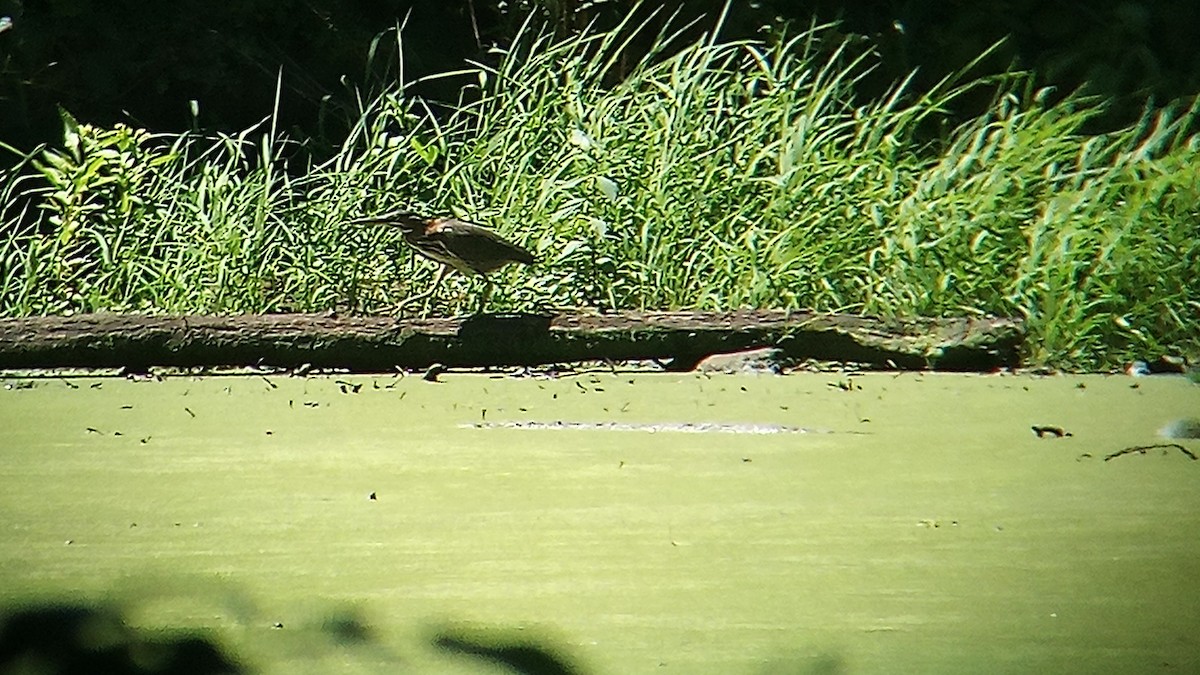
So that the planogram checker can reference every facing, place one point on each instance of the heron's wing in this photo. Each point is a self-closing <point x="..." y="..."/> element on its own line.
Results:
<point x="435" y="248"/>
<point x="482" y="249"/>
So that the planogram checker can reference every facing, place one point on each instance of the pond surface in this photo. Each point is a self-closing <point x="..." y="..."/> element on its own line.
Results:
<point x="637" y="522"/>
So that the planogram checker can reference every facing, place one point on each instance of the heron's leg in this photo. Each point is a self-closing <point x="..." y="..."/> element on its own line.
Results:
<point x="487" y="293"/>
<point x="433" y="288"/>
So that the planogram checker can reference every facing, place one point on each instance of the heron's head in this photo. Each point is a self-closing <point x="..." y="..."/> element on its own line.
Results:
<point x="409" y="221"/>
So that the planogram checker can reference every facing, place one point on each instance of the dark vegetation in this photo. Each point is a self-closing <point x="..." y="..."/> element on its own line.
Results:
<point x="79" y="639"/>
<point x="141" y="63"/>
<point x="91" y="639"/>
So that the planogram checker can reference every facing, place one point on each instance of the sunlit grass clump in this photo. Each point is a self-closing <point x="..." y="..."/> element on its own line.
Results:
<point x="710" y="176"/>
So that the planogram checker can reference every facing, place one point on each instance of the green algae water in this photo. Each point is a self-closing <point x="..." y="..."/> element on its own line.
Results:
<point x="633" y="522"/>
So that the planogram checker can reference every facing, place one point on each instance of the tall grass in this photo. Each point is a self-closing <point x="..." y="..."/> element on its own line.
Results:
<point x="1091" y="240"/>
<point x="712" y="175"/>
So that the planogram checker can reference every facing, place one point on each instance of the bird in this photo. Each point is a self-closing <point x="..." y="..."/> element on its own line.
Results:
<point x="471" y="249"/>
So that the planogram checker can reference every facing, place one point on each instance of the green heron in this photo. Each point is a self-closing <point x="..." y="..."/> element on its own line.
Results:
<point x="468" y="248"/>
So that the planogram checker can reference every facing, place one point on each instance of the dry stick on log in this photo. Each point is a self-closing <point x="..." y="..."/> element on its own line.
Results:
<point x="379" y="343"/>
<point x="1141" y="450"/>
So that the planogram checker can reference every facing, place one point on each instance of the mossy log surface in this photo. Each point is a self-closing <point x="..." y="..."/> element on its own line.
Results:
<point x="359" y="343"/>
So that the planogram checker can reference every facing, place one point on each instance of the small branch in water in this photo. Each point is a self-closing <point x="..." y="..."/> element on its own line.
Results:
<point x="1057" y="432"/>
<point x="1141" y="450"/>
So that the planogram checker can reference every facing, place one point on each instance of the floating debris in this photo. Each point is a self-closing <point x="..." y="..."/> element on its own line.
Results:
<point x="1057" y="432"/>
<point x="678" y="427"/>
<point x="1143" y="449"/>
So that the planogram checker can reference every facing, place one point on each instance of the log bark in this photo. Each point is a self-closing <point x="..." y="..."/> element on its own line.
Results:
<point x="372" y="344"/>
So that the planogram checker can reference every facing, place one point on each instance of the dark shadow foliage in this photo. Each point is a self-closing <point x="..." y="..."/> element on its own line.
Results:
<point x="519" y="656"/>
<point x="66" y="639"/>
<point x="143" y="62"/>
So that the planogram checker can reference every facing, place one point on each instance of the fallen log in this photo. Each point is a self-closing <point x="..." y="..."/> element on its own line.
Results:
<point x="366" y="344"/>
